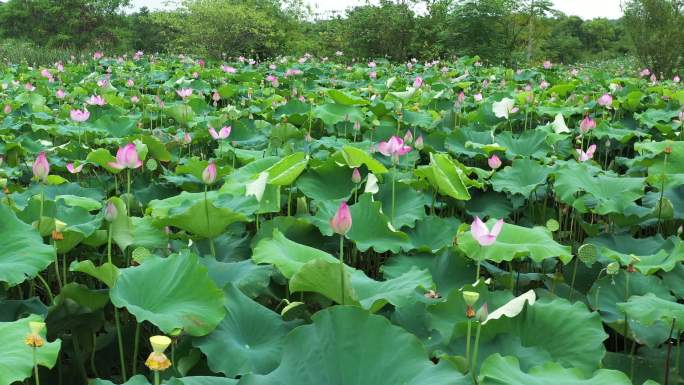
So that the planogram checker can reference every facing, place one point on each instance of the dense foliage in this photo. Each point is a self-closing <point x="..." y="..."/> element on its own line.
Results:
<point x="506" y="32"/>
<point x="307" y="221"/>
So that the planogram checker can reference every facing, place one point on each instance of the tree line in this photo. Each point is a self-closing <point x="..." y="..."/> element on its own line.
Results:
<point x="507" y="32"/>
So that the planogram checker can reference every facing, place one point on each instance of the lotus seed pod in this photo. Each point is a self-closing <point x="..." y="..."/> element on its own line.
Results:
<point x="552" y="225"/>
<point x="613" y="268"/>
<point x="470" y="297"/>
<point x="587" y="253"/>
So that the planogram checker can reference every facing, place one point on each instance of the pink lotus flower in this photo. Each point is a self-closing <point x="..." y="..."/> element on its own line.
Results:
<point x="45" y="73"/>
<point x="228" y="69"/>
<point x="79" y="116"/>
<point x="341" y="222"/>
<point x="544" y="85"/>
<point x="418" y="82"/>
<point x="585" y="156"/>
<point x="98" y="55"/>
<point x="59" y="66"/>
<point x="372" y="64"/>
<point x="373" y="75"/>
<point x="605" y="100"/>
<point x="478" y="97"/>
<point x="676" y="79"/>
<point x="126" y="157"/>
<point x="574" y="72"/>
<point x="7" y="109"/>
<point x="548" y="64"/>
<point x="41" y="167"/>
<point x="74" y="170"/>
<point x="209" y="173"/>
<point x="587" y="124"/>
<point x="29" y="87"/>
<point x="102" y="83"/>
<point x="494" y="162"/>
<point x="184" y="137"/>
<point x="645" y="72"/>
<point x="130" y="83"/>
<point x="394" y="147"/>
<point x="356" y="176"/>
<point x="138" y="55"/>
<point x="461" y="97"/>
<point x="60" y="94"/>
<point x="222" y="134"/>
<point x="215" y="96"/>
<point x="135" y="99"/>
<point x="184" y="92"/>
<point x="482" y="234"/>
<point x="96" y="100"/>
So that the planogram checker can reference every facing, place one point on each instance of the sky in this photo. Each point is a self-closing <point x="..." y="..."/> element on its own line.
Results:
<point x="586" y="9"/>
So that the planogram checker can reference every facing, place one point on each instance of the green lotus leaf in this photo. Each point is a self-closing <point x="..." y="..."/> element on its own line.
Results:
<point x="449" y="270"/>
<point x="287" y="256"/>
<point x="355" y="157"/>
<point x="346" y="98"/>
<point x="409" y="204"/>
<point x="531" y="143"/>
<point x="653" y="158"/>
<point x="171" y="293"/>
<point x="206" y="218"/>
<point x="498" y="370"/>
<point x="286" y="170"/>
<point x="489" y="204"/>
<point x="332" y="345"/>
<point x="248" y="340"/>
<point x="332" y="113"/>
<point x="106" y="273"/>
<point x="23" y="254"/>
<point x="654" y="253"/>
<point x="445" y="176"/>
<point x="433" y="233"/>
<point x="16" y="361"/>
<point x="523" y="177"/>
<point x="182" y="113"/>
<point x="250" y="278"/>
<point x="327" y="181"/>
<point x="648" y="308"/>
<point x="371" y="228"/>
<point x="515" y="242"/>
<point x="469" y="142"/>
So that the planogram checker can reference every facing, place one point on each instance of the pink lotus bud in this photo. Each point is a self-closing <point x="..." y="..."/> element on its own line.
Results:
<point x="110" y="212"/>
<point x="98" y="55"/>
<point x="209" y="173"/>
<point x="135" y="99"/>
<point x="130" y="83"/>
<point x="478" y="97"/>
<point x="587" y="124"/>
<point x="676" y="79"/>
<point x="215" y="96"/>
<point x="418" y="82"/>
<point x="494" y="162"/>
<point x="544" y="85"/>
<point x="419" y="143"/>
<point x="41" y="167"/>
<point x="341" y="222"/>
<point x="373" y="75"/>
<point x="7" y="109"/>
<point x="60" y="94"/>
<point x="408" y="137"/>
<point x="461" y="97"/>
<point x="548" y="64"/>
<point x="356" y="176"/>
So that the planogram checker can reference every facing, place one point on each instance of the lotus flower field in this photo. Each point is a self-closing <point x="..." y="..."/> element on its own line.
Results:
<point x="308" y="221"/>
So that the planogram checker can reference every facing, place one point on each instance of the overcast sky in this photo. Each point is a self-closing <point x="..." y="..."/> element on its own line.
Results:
<point x="586" y="9"/>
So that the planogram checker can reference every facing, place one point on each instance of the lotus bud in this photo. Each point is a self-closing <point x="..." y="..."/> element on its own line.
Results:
<point x="494" y="162"/>
<point x="483" y="313"/>
<point x="419" y="143"/>
<point x="341" y="222"/>
<point x="41" y="167"/>
<point x="209" y="174"/>
<point x="157" y="360"/>
<point x="34" y="338"/>
<point x="356" y="176"/>
<point x="110" y="212"/>
<point x="408" y="137"/>
<point x="613" y="268"/>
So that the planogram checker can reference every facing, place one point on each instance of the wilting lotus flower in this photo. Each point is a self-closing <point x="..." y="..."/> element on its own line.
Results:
<point x="60" y="94"/>
<point x="356" y="176"/>
<point x="79" y="116"/>
<point x="605" y="100"/>
<point x="587" y="124"/>
<point x="209" y="173"/>
<point x="585" y="156"/>
<point x="394" y="147"/>
<point x="96" y="100"/>
<point x="494" y="162"/>
<point x="482" y="234"/>
<point x="74" y="170"/>
<point x="504" y="108"/>
<point x="184" y="92"/>
<point x="126" y="157"/>
<point x="222" y="134"/>
<point x="341" y="222"/>
<point x="41" y="167"/>
<point x="418" y="82"/>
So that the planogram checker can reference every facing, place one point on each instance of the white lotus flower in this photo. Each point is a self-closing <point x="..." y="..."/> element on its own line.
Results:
<point x="559" y="126"/>
<point x="504" y="108"/>
<point x="257" y="186"/>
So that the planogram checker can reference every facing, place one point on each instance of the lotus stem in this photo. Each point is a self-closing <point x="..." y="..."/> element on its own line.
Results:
<point x="394" y="178"/>
<point x="42" y="200"/>
<point x="468" y="337"/>
<point x="341" y="269"/>
<point x="662" y="192"/>
<point x="473" y="366"/>
<point x="35" y="367"/>
<point x="120" y="341"/>
<point x="156" y="378"/>
<point x="136" y="347"/>
<point x="669" y="352"/>
<point x="206" y="212"/>
<point x="47" y="287"/>
<point x="574" y="276"/>
<point x="109" y="244"/>
<point x="128" y="192"/>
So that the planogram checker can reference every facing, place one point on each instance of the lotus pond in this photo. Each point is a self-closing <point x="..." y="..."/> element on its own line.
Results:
<point x="171" y="220"/>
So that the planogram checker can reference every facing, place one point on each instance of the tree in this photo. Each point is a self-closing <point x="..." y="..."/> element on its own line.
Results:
<point x="656" y="28"/>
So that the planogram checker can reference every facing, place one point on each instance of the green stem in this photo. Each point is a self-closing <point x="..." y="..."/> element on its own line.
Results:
<point x="394" y="178"/>
<point x="572" y="282"/>
<point x="136" y="346"/>
<point x="477" y="271"/>
<point x="206" y="212"/>
<point x="59" y="279"/>
<point x="342" y="269"/>
<point x="120" y="341"/>
<point x="42" y="199"/>
<point x="92" y="357"/>
<point x="156" y="378"/>
<point x="47" y="287"/>
<point x="35" y="367"/>
<point x="662" y="192"/>
<point x="128" y="192"/>
<point x="109" y="244"/>
<point x="473" y="366"/>
<point x="468" y="337"/>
